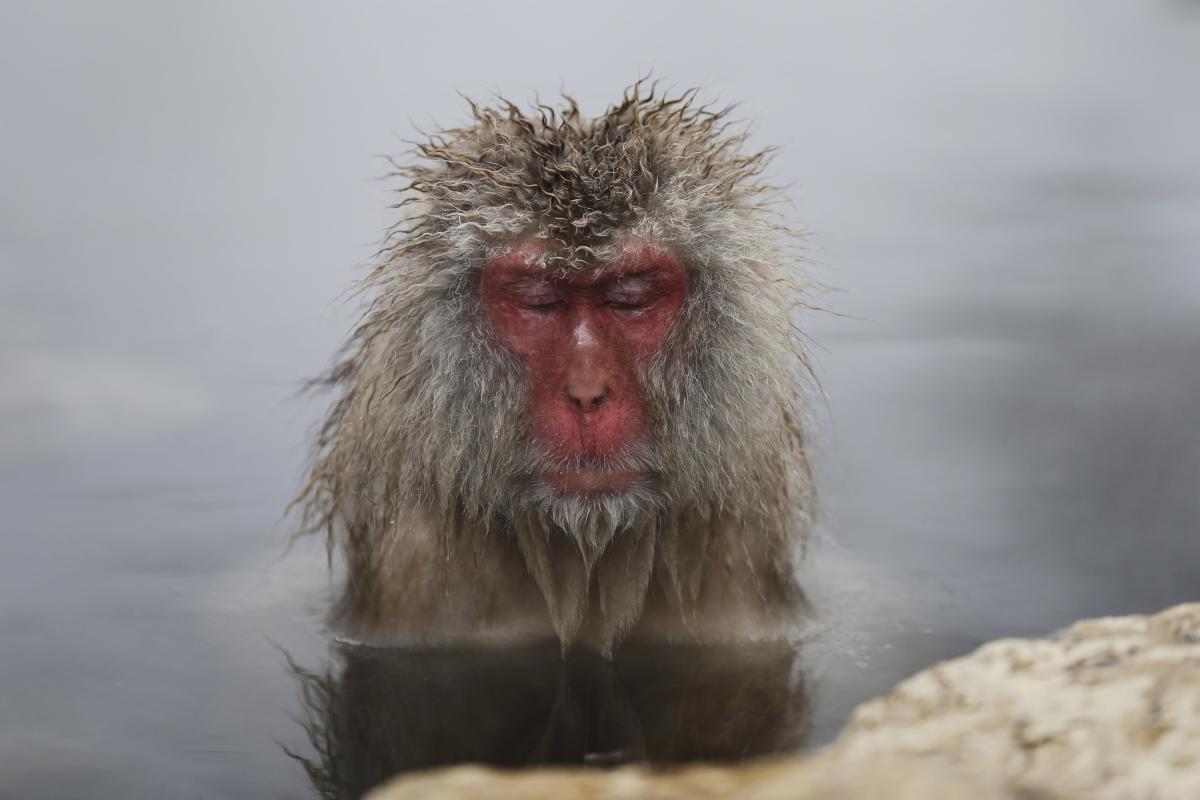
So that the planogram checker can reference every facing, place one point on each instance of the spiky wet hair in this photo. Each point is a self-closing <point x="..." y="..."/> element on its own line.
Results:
<point x="430" y="418"/>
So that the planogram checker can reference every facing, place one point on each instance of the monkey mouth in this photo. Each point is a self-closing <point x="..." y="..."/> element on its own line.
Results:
<point x="591" y="475"/>
<point x="594" y="475"/>
<point x="590" y="481"/>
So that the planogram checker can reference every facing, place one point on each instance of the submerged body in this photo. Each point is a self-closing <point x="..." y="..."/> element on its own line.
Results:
<point x="572" y="408"/>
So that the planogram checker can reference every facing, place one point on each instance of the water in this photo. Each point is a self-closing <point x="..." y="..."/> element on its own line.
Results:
<point x="1007" y="196"/>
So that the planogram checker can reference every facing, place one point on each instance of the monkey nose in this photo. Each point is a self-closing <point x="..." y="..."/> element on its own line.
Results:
<point x="587" y="392"/>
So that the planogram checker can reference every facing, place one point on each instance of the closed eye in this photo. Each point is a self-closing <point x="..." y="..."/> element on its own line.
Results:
<point x="631" y="293"/>
<point x="544" y="307"/>
<point x="536" y="295"/>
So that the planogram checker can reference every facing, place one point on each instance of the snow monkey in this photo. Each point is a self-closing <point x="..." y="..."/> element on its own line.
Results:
<point x="573" y="405"/>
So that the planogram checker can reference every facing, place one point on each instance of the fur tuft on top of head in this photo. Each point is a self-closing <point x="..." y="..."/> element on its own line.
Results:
<point x="426" y="440"/>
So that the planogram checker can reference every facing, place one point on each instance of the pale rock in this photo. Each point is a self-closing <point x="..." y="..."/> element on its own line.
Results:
<point x="1109" y="708"/>
<point x="776" y="779"/>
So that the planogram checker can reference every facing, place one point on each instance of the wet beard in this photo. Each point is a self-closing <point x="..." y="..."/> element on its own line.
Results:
<point x="591" y="556"/>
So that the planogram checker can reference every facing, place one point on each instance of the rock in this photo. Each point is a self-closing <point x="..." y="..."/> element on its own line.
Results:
<point x="1109" y="708"/>
<point x="776" y="779"/>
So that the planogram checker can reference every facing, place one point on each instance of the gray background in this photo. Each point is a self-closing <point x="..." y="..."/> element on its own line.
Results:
<point x="1006" y="196"/>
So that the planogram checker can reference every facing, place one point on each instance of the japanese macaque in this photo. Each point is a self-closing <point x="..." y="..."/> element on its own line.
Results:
<point x="572" y="407"/>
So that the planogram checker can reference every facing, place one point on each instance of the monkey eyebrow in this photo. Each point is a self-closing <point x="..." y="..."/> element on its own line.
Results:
<point x="635" y="280"/>
<point x="532" y="287"/>
<point x="639" y="287"/>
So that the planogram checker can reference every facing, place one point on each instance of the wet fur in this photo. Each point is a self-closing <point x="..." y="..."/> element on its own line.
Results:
<point x="424" y="475"/>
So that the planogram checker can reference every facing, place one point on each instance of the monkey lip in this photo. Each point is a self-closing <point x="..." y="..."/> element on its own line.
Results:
<point x="592" y="480"/>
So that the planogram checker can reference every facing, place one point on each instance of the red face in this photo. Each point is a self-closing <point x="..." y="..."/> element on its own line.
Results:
<point x="583" y="339"/>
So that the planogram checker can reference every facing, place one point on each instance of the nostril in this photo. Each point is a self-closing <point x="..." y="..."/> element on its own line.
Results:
<point x="588" y="401"/>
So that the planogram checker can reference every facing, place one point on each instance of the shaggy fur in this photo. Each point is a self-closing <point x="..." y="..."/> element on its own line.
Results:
<point x="424" y="474"/>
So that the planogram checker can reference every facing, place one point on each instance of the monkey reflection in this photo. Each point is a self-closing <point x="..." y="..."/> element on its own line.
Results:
<point x="376" y="713"/>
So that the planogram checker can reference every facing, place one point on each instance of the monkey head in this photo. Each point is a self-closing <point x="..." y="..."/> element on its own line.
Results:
<point x="580" y="342"/>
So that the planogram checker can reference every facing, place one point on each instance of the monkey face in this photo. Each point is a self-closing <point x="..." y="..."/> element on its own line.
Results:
<point x="584" y="338"/>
